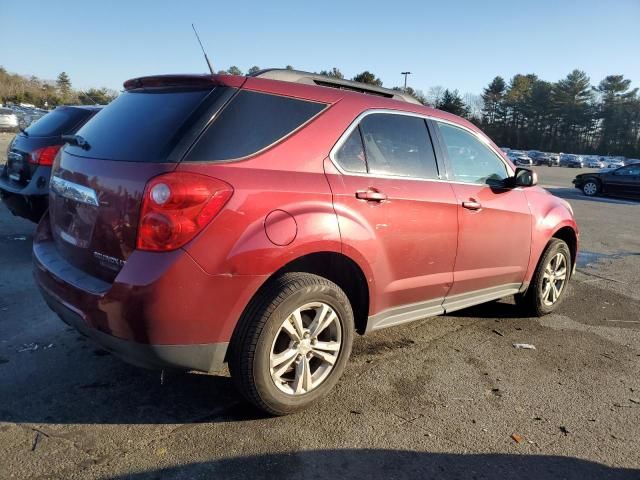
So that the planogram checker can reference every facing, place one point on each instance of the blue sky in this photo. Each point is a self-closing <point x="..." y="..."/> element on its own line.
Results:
<point x="453" y="43"/>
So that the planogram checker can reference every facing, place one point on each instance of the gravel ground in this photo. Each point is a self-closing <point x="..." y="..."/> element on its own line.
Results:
<point x="447" y="397"/>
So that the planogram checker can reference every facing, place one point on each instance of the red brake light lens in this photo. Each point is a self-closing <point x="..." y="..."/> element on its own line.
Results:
<point x="44" y="156"/>
<point x="176" y="207"/>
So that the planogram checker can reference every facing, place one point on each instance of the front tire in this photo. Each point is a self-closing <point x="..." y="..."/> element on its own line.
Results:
<point x="591" y="188"/>
<point x="549" y="282"/>
<point x="292" y="343"/>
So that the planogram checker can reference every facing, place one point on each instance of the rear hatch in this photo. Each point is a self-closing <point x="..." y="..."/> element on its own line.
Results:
<point x="96" y="190"/>
<point x="23" y="157"/>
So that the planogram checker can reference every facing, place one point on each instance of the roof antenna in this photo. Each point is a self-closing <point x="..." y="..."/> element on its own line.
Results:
<point x="205" y="53"/>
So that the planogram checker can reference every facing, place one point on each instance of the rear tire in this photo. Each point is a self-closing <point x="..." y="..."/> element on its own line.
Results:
<point x="278" y="359"/>
<point x="549" y="283"/>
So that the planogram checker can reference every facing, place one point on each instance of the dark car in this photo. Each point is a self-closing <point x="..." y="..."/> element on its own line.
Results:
<point x="571" y="161"/>
<point x="623" y="181"/>
<point x="264" y="220"/>
<point x="24" y="178"/>
<point x="541" y="158"/>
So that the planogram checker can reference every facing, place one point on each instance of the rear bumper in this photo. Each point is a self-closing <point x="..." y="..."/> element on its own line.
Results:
<point x="162" y="310"/>
<point x="201" y="357"/>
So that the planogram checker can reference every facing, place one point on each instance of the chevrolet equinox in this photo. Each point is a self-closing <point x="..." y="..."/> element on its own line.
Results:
<point x="261" y="221"/>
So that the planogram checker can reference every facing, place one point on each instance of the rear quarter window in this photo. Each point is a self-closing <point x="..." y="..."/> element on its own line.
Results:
<point x="251" y="122"/>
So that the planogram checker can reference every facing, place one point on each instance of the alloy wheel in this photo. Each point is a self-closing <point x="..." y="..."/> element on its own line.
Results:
<point x="305" y="348"/>
<point x="554" y="279"/>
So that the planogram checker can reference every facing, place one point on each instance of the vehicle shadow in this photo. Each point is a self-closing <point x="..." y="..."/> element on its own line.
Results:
<point x="389" y="464"/>
<point x="66" y="384"/>
<point x="575" y="194"/>
<point x="504" y="308"/>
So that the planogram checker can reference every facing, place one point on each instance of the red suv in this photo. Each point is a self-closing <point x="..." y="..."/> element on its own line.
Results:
<point x="262" y="220"/>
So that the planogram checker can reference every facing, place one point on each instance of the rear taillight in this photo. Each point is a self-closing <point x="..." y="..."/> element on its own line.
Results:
<point x="44" y="156"/>
<point x="176" y="206"/>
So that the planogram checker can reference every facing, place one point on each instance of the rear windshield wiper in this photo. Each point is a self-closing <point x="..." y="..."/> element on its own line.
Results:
<point x="26" y="134"/>
<point x="76" y="140"/>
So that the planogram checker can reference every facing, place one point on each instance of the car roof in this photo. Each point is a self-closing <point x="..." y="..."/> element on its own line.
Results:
<point x="298" y="76"/>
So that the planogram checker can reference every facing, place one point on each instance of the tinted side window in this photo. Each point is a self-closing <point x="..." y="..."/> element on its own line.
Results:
<point x="630" y="170"/>
<point x="351" y="155"/>
<point x="398" y="145"/>
<point x="252" y="121"/>
<point x="471" y="160"/>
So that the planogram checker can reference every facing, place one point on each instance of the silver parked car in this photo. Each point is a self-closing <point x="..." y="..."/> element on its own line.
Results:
<point x="593" y="161"/>
<point x="8" y="120"/>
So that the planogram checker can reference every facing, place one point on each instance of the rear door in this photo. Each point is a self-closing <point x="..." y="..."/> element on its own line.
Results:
<point x="96" y="190"/>
<point x="394" y="210"/>
<point x="494" y="235"/>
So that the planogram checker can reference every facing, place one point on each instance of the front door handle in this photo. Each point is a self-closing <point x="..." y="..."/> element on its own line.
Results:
<point x="371" y="195"/>
<point x="472" y="205"/>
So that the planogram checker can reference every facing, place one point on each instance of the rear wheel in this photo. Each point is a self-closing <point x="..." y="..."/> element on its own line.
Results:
<point x="549" y="283"/>
<point x="293" y="343"/>
<point x="591" y="188"/>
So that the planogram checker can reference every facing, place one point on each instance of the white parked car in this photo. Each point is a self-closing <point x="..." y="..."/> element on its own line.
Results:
<point x="8" y="120"/>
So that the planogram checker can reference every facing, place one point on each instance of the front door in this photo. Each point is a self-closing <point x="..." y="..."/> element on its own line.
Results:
<point x="624" y="181"/>
<point x="396" y="215"/>
<point x="494" y="235"/>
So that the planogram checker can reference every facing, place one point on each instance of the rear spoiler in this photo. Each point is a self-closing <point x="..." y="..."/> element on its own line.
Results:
<point x="163" y="81"/>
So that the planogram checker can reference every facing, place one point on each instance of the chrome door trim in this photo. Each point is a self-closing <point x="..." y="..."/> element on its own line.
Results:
<point x="73" y="191"/>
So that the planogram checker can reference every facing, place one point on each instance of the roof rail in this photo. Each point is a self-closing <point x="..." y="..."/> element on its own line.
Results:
<point x="308" y="78"/>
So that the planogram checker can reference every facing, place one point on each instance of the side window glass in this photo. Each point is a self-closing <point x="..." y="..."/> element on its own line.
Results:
<point x="398" y="145"/>
<point x="471" y="160"/>
<point x="351" y="155"/>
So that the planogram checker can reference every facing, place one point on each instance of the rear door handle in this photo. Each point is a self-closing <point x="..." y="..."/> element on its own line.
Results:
<point x="371" y="195"/>
<point x="472" y="205"/>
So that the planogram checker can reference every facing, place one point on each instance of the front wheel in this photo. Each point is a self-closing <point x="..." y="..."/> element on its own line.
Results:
<point x="549" y="282"/>
<point x="591" y="188"/>
<point x="293" y="343"/>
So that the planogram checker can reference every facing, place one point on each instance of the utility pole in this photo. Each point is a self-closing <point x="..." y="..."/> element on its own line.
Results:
<point x="405" y="79"/>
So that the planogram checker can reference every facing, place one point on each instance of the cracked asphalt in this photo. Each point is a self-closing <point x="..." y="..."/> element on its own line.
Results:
<point x="447" y="397"/>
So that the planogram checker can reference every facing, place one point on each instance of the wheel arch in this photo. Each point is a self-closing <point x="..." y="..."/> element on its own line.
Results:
<point x="570" y="237"/>
<point x="336" y="267"/>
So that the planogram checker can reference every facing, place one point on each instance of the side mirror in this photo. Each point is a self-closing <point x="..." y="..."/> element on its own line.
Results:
<point x="525" y="177"/>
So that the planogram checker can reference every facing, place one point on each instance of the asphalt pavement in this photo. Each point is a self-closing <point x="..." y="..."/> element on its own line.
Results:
<point x="447" y="397"/>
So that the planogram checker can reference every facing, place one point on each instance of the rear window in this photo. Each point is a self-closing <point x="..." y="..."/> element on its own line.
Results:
<point x="141" y="126"/>
<point x="60" y="121"/>
<point x="252" y="122"/>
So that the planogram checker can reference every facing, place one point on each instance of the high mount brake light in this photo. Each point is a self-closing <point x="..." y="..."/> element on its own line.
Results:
<point x="44" y="156"/>
<point x="176" y="207"/>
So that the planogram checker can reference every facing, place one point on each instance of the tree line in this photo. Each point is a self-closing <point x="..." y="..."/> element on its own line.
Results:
<point x="527" y="112"/>
<point x="16" y="89"/>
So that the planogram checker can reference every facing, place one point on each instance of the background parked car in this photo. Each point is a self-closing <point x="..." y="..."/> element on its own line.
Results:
<point x="554" y="159"/>
<point x="24" y="178"/>
<point x="623" y="181"/>
<point x="593" y="161"/>
<point x="520" y="158"/>
<point x="540" y="158"/>
<point x="571" y="161"/>
<point x="8" y="120"/>
<point x="612" y="162"/>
